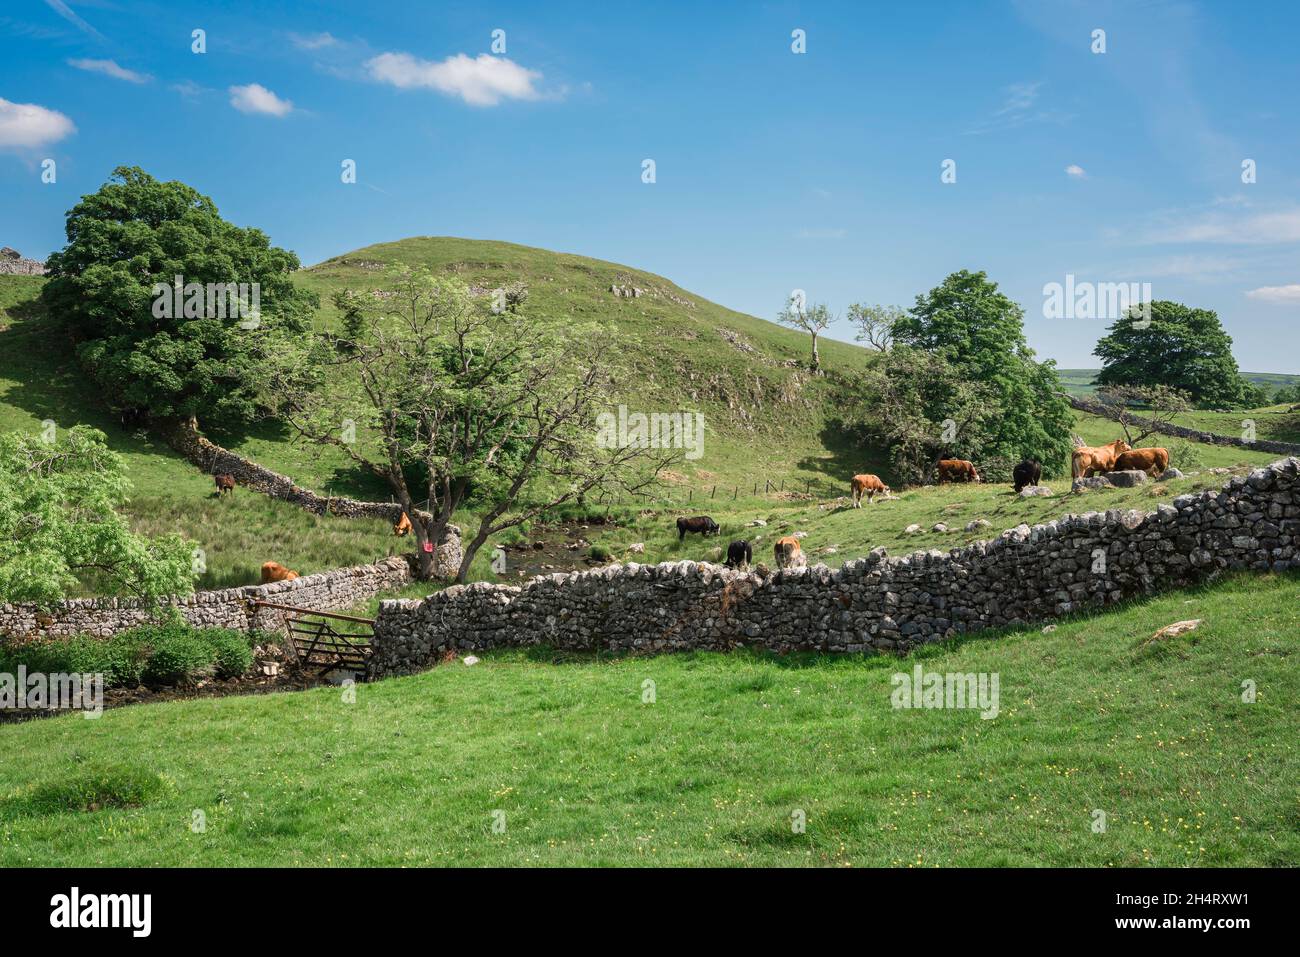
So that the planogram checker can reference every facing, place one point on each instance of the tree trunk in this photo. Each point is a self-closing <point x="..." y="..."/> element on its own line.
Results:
<point x="470" y="551"/>
<point x="816" y="358"/>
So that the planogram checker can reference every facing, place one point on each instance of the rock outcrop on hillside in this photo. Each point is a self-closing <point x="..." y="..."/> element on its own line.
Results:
<point x="12" y="263"/>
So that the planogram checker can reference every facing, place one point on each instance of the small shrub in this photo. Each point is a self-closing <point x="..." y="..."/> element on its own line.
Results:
<point x="1186" y="456"/>
<point x="176" y="654"/>
<point x="600" y="553"/>
<point x="233" y="655"/>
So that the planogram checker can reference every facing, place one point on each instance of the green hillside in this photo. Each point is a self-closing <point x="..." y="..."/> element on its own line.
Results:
<point x="1092" y="716"/>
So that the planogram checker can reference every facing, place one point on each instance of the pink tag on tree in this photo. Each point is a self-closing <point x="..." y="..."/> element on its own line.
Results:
<point x="428" y="546"/>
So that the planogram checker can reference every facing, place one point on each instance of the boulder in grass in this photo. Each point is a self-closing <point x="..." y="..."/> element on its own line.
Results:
<point x="1169" y="473"/>
<point x="1031" y="491"/>
<point x="977" y="524"/>
<point x="1091" y="482"/>
<point x="912" y="530"/>
<point x="1129" y="478"/>
<point x="939" y="527"/>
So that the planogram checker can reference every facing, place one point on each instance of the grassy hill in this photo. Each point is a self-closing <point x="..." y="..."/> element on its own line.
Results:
<point x="766" y="420"/>
<point x="1092" y="716"/>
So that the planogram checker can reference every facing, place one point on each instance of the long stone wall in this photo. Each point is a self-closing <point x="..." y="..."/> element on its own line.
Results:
<point x="879" y="602"/>
<point x="1182" y="432"/>
<point x="223" y="608"/>
<point x="215" y="460"/>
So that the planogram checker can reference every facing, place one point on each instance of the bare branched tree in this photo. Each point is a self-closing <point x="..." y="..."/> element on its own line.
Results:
<point x="1143" y="411"/>
<point x="812" y="319"/>
<point x="875" y="324"/>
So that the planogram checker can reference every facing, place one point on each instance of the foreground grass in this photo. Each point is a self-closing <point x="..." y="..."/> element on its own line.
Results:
<point x="1092" y="717"/>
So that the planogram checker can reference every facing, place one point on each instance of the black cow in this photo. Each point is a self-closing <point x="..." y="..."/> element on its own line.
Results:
<point x="738" y="554"/>
<point x="700" y="523"/>
<point x="1027" y="472"/>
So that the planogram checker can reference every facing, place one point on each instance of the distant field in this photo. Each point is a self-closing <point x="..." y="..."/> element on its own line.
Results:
<point x="1079" y="381"/>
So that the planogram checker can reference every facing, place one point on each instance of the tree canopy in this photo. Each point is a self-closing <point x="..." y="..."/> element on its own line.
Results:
<point x="136" y="234"/>
<point x="60" y="530"/>
<point x="979" y="332"/>
<point x="1177" y="346"/>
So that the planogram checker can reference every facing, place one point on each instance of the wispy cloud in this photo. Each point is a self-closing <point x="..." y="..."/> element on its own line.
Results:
<point x="1019" y="108"/>
<point x="1285" y="295"/>
<point x="313" y="41"/>
<point x="110" y="68"/>
<point x="1076" y="172"/>
<point x="65" y="11"/>
<point x="255" y="98"/>
<point x="1253" y="228"/>
<point x="828" y="233"/>
<point x="26" y="126"/>
<point x="480" y="81"/>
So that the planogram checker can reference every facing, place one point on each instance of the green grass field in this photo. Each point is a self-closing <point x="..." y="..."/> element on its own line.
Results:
<point x="1092" y="717"/>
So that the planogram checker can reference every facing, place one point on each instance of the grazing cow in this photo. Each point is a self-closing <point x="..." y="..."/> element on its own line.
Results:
<point x="1153" y="461"/>
<point x="957" y="470"/>
<point x="1087" y="459"/>
<point x="274" y="572"/>
<point x="225" y="483"/>
<point x="700" y="523"/>
<point x="403" y="525"/>
<point x="787" y="551"/>
<point x="1028" y="472"/>
<point x="867" y="485"/>
<point x="739" y="554"/>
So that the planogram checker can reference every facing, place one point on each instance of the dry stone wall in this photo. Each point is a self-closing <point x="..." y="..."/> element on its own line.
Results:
<point x="215" y="460"/>
<point x="224" y="608"/>
<point x="879" y="602"/>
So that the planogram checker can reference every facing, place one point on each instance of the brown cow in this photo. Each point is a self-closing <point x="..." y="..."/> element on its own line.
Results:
<point x="403" y="525"/>
<point x="225" y="483"/>
<point x="957" y="470"/>
<point x="274" y="572"/>
<point x="1087" y="459"/>
<point x="1153" y="461"/>
<point x="867" y="485"/>
<point x="787" y="551"/>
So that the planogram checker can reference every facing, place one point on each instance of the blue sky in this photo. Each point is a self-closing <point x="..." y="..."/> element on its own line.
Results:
<point x="774" y="170"/>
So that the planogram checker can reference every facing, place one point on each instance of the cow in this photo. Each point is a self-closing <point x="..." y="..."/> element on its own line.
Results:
<point x="1087" y="459"/>
<point x="1153" y="461"/>
<point x="739" y="554"/>
<point x="867" y="485"/>
<point x="787" y="552"/>
<point x="700" y="523"/>
<point x="274" y="572"/>
<point x="957" y="470"/>
<point x="1028" y="472"/>
<point x="225" y="483"/>
<point x="403" y="525"/>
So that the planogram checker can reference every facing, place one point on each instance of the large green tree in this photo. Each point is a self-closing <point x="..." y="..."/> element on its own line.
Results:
<point x="1175" y="346"/>
<point x="136" y="235"/>
<point x="60" y="531"/>
<point x="980" y="333"/>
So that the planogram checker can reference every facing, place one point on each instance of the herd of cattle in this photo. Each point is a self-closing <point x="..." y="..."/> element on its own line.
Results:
<point x="1085" y="461"/>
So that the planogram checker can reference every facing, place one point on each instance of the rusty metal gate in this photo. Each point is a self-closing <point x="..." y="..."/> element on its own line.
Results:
<point x="319" y="641"/>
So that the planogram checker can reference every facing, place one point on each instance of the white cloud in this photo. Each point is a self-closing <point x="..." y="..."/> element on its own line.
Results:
<point x="28" y="126"/>
<point x="1282" y="294"/>
<point x="110" y="68"/>
<point x="313" y="41"/>
<point x="482" y="81"/>
<point x="1076" y="172"/>
<point x="255" y="98"/>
